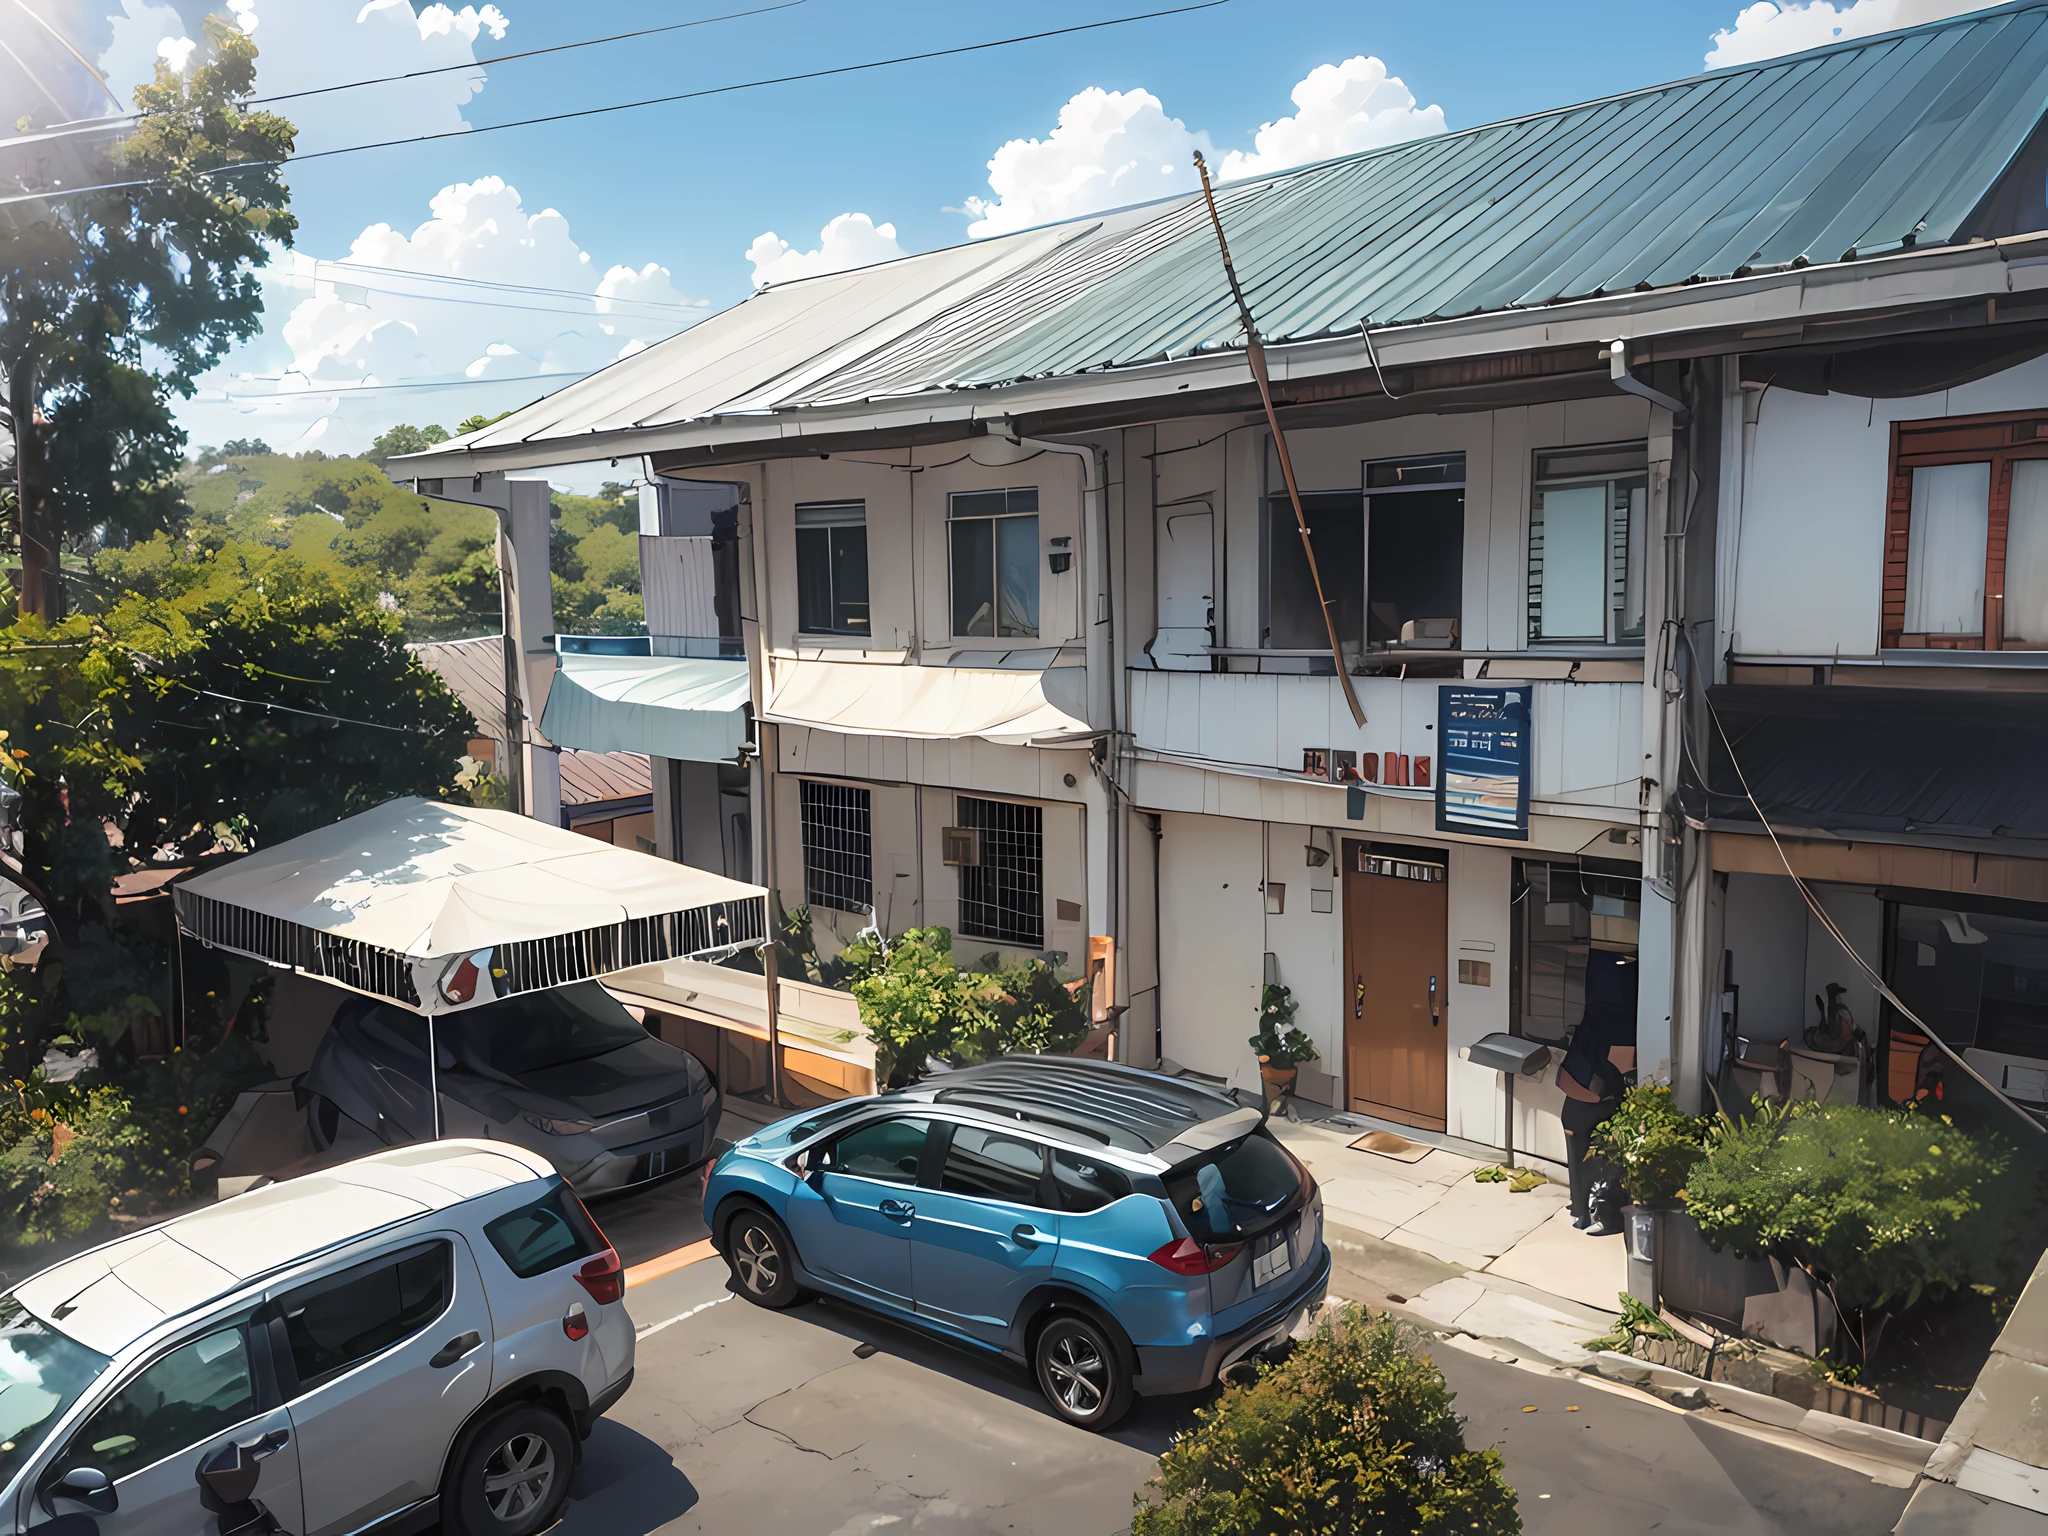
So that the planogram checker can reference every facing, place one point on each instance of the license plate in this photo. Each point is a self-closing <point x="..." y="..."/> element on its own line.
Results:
<point x="1272" y="1262"/>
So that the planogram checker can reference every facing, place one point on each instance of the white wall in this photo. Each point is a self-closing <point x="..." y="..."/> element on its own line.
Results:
<point x="1307" y="945"/>
<point x="1212" y="948"/>
<point x="1860" y="916"/>
<point x="1479" y="930"/>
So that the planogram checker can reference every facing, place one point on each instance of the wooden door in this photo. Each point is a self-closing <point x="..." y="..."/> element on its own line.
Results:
<point x="1396" y="992"/>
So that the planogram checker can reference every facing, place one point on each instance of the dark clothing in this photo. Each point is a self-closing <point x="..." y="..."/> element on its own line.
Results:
<point x="1610" y="1021"/>
<point x="1587" y="1169"/>
<point x="1581" y="1119"/>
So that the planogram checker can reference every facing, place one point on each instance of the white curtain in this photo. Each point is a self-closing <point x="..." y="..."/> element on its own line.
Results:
<point x="1945" y="549"/>
<point x="1574" y="581"/>
<point x="2026" y="555"/>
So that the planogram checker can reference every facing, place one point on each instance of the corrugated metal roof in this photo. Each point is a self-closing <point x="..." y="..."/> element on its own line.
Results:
<point x="1863" y="146"/>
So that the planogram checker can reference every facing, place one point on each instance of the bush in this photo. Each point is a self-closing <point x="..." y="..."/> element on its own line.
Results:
<point x="1278" y="1042"/>
<point x="916" y="1003"/>
<point x="1352" y="1434"/>
<point x="1654" y="1143"/>
<point x="1882" y="1207"/>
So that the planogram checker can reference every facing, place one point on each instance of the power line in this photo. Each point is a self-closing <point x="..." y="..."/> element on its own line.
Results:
<point x="481" y="282"/>
<point x="670" y="312"/>
<point x="316" y="391"/>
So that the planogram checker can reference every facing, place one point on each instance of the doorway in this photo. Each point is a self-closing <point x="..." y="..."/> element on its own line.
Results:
<point x="1396" y="1016"/>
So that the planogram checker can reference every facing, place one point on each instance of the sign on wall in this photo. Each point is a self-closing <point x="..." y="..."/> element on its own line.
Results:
<point x="1483" y="783"/>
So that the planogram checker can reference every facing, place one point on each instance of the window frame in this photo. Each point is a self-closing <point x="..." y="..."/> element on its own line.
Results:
<point x="1020" y="935"/>
<point x="1046" y="1197"/>
<point x="814" y="870"/>
<point x="265" y="1395"/>
<point x="829" y="529"/>
<point x="1996" y="438"/>
<point x="828" y="1147"/>
<point x="271" y="1315"/>
<point x="993" y="519"/>
<point x="1614" y="598"/>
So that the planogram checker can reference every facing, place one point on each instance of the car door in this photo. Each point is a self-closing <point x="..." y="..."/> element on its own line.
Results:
<point x="385" y="1358"/>
<point x="984" y="1233"/>
<point x="851" y="1216"/>
<point x="199" y="1421"/>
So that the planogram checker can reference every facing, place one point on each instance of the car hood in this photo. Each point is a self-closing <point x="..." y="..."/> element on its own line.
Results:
<point x="634" y="1077"/>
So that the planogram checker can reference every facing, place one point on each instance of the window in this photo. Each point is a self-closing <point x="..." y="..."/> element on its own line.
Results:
<point x="1563" y="912"/>
<point x="887" y="1150"/>
<point x="553" y="1231"/>
<point x="995" y="563"/>
<point x="994" y="1166"/>
<point x="190" y="1395"/>
<point x="1003" y="897"/>
<point x="839" y="846"/>
<point x="832" y="567"/>
<point x="337" y="1323"/>
<point x="1085" y="1185"/>
<point x="1586" y="544"/>
<point x="1966" y="538"/>
<point x="1246" y="1188"/>
<point x="1977" y="978"/>
<point x="1336" y="526"/>
<point x="42" y="1373"/>
<point x="540" y="1031"/>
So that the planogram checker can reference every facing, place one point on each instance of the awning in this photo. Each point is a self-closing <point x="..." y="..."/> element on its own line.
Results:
<point x="1962" y="768"/>
<point x="686" y="707"/>
<point x="398" y="901"/>
<point x="1016" y="707"/>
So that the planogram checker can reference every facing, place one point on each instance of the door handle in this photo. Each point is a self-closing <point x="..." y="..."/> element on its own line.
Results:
<point x="1432" y="1003"/>
<point x="1026" y="1236"/>
<point x="898" y="1210"/>
<point x="268" y="1445"/>
<point x="1358" y="997"/>
<point x="455" y="1349"/>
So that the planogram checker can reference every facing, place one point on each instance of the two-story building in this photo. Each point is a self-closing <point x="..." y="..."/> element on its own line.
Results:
<point x="1035" y="653"/>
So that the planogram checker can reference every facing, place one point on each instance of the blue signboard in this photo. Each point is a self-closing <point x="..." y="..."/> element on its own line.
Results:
<point x="1482" y="783"/>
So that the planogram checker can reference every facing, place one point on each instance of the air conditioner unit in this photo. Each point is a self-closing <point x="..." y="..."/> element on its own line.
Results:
<point x="960" y="846"/>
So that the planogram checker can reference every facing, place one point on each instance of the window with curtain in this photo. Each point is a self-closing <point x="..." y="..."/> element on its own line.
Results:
<point x="1966" y="535"/>
<point x="1586" y="544"/>
<point x="994" y="547"/>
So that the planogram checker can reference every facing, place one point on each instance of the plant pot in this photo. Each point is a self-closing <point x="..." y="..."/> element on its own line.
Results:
<point x="1691" y="1277"/>
<point x="1278" y="1082"/>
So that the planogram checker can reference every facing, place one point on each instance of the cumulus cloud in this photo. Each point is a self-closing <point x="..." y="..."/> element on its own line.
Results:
<point x="1765" y="30"/>
<point x="1109" y="148"/>
<point x="851" y="240"/>
<point x="1340" y="109"/>
<point x="377" y="317"/>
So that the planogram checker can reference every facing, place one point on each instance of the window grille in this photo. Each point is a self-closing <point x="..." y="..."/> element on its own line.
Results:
<point x="1003" y="897"/>
<point x="839" y="848"/>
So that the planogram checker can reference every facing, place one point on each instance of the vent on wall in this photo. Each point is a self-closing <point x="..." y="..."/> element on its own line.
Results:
<point x="960" y="847"/>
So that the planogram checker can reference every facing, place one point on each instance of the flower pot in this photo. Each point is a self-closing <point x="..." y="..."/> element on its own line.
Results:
<point x="1278" y="1081"/>
<point x="1693" y="1278"/>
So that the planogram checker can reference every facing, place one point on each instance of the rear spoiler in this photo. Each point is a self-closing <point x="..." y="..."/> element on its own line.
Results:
<point x="1211" y="1134"/>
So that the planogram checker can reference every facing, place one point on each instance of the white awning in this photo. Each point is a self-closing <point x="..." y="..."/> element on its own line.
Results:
<point x="687" y="707"/>
<point x="397" y="901"/>
<point x="1015" y="707"/>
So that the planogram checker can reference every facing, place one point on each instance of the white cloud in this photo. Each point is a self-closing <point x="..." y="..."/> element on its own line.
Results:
<point x="1340" y="110"/>
<point x="851" y="240"/>
<point x="140" y="31"/>
<point x="175" y="51"/>
<point x="1765" y="30"/>
<point x="350" y="332"/>
<point x="1109" y="149"/>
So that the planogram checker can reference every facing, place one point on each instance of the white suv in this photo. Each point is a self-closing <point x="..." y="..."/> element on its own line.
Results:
<point x="426" y="1334"/>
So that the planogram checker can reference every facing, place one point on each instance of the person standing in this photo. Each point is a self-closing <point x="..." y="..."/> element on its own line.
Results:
<point x="1593" y="1075"/>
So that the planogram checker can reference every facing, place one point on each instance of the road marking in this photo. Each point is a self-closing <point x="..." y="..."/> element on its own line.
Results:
<point x="669" y="1263"/>
<point x="653" y="1328"/>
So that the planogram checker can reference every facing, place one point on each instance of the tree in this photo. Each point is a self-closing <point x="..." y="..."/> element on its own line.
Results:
<point x="114" y="297"/>
<point x="393" y="441"/>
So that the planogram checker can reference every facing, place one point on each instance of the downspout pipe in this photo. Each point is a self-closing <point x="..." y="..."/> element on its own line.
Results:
<point x="1628" y="383"/>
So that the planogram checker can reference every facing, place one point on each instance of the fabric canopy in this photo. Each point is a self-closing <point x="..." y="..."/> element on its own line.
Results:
<point x="932" y="703"/>
<point x="397" y="901"/>
<point x="685" y="707"/>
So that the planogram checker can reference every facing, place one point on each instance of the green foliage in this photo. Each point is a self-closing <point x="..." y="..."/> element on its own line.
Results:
<point x="402" y="438"/>
<point x="1654" y="1142"/>
<point x="1882" y="1207"/>
<point x="1352" y="1434"/>
<point x="1636" y="1321"/>
<point x="1278" y="1043"/>
<point x="594" y="547"/>
<point x="477" y="423"/>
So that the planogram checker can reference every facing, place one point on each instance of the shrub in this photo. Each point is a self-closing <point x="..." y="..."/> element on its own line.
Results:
<point x="1653" y="1142"/>
<point x="1278" y="1042"/>
<point x="1881" y="1207"/>
<point x="916" y="1003"/>
<point x="1353" y="1433"/>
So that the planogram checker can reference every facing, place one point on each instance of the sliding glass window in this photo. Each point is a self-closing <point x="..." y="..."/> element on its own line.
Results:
<point x="832" y="567"/>
<point x="994" y="538"/>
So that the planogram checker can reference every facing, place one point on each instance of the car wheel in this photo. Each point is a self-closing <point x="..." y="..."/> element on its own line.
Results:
<point x="762" y="1259"/>
<point x="514" y="1475"/>
<point x="1082" y="1372"/>
<point x="323" y="1121"/>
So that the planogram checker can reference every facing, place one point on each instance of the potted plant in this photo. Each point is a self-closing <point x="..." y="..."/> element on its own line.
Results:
<point x="1282" y="1048"/>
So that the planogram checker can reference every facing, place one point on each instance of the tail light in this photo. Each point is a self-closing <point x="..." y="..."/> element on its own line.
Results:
<point x="576" y="1322"/>
<point x="604" y="1277"/>
<point x="1185" y="1256"/>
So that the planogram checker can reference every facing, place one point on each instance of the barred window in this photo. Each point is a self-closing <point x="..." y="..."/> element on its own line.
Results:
<point x="1003" y="897"/>
<point x="839" y="848"/>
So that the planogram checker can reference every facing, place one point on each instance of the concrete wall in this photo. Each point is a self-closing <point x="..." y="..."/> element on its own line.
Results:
<point x="1765" y="928"/>
<point x="1212" y="943"/>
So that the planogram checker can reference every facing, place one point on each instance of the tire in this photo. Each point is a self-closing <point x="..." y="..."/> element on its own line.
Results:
<point x="323" y="1121"/>
<point x="1082" y="1371"/>
<point x="513" y="1476"/>
<point x="762" y="1259"/>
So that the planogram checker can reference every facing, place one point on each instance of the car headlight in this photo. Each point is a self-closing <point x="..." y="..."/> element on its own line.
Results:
<point x="550" y="1126"/>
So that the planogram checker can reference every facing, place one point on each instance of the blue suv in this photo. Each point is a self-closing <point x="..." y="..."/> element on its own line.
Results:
<point x="1118" y="1231"/>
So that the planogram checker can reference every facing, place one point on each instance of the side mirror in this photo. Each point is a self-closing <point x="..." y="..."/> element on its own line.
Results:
<point x="83" y="1485"/>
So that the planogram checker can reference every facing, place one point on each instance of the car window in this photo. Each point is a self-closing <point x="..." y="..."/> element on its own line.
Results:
<point x="887" y="1150"/>
<point x="994" y="1166"/>
<point x="1236" y="1191"/>
<point x="553" y="1231"/>
<point x="189" y="1396"/>
<point x="397" y="1030"/>
<point x="42" y="1373"/>
<point x="1086" y="1185"/>
<point x="338" y="1322"/>
<point x="536" y="1031"/>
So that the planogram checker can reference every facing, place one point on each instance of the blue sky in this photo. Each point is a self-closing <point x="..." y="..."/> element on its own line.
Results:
<point x="661" y="207"/>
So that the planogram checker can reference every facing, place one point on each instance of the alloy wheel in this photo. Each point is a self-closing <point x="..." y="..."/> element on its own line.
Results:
<point x="1079" y="1373"/>
<point x="757" y="1260"/>
<point x="518" y="1476"/>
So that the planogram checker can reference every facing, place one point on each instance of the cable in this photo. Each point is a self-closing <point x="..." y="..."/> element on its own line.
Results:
<point x="316" y="390"/>
<point x="500" y="305"/>
<point x="65" y="43"/>
<point x="403" y="730"/>
<point x="628" y="106"/>
<point x="483" y="282"/>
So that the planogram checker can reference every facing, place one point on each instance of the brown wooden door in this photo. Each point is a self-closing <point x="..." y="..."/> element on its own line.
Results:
<point x="1396" y="995"/>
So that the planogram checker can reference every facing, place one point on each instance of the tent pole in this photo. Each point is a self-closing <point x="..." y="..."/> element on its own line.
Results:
<point x="434" y="1076"/>
<point x="774" y="1025"/>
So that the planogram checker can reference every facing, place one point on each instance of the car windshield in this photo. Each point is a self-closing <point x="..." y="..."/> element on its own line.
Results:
<point x="539" y="1030"/>
<point x="42" y="1372"/>
<point x="1237" y="1191"/>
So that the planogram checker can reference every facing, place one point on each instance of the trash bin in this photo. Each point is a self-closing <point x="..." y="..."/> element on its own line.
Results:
<point x="1639" y="1227"/>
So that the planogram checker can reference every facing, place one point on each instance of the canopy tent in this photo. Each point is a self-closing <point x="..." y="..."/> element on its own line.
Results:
<point x="1018" y="706"/>
<point x="687" y="707"/>
<point x="441" y="907"/>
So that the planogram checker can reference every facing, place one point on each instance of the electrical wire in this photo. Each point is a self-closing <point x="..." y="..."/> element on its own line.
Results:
<point x="485" y="283"/>
<point x="316" y="391"/>
<point x="403" y="730"/>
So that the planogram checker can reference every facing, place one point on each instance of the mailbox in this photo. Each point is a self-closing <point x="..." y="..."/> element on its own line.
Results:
<point x="1507" y="1053"/>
